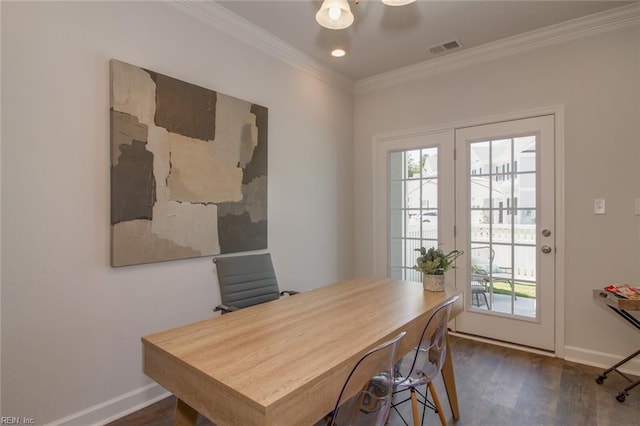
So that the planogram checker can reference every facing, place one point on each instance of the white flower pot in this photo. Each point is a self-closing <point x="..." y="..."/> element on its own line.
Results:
<point x="433" y="282"/>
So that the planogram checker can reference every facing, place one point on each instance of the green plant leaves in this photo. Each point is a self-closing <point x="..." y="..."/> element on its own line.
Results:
<point x="435" y="261"/>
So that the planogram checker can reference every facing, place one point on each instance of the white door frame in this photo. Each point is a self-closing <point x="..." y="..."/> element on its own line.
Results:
<point x="382" y="144"/>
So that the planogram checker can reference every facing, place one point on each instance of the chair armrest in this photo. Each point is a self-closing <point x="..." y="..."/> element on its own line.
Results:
<point x="289" y="292"/>
<point x="225" y="308"/>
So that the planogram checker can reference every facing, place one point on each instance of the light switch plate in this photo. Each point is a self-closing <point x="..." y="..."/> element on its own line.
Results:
<point x="598" y="206"/>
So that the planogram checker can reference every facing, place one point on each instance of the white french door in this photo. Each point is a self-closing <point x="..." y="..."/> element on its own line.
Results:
<point x="495" y="200"/>
<point x="505" y="222"/>
<point x="413" y="201"/>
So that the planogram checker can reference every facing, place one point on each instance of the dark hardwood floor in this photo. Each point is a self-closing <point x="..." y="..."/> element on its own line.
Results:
<point x="499" y="386"/>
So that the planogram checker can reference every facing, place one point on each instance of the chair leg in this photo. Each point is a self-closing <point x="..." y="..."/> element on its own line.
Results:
<point x="414" y="406"/>
<point x="486" y="301"/>
<point x="436" y="402"/>
<point x="355" y="414"/>
<point x="386" y="422"/>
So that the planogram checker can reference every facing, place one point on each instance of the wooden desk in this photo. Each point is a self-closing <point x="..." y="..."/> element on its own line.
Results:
<point x="284" y="362"/>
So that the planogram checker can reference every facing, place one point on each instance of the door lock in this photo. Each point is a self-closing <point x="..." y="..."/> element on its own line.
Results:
<point x="546" y="233"/>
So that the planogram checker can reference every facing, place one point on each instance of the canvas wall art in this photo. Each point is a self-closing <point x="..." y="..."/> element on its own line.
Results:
<point x="188" y="169"/>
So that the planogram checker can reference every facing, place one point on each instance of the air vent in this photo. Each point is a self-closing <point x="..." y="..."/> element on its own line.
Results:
<point x="444" y="47"/>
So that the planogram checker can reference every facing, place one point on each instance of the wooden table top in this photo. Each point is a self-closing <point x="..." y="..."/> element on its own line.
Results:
<point x="284" y="362"/>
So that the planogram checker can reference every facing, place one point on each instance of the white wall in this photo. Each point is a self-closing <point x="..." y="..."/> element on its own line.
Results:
<point x="71" y="325"/>
<point x="0" y="225"/>
<point x="597" y="80"/>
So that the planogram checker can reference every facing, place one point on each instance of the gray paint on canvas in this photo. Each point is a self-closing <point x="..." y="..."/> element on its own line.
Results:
<point x="133" y="186"/>
<point x="242" y="226"/>
<point x="238" y="233"/>
<point x="124" y="129"/>
<point x="258" y="164"/>
<point x="185" y="108"/>
<point x="253" y="202"/>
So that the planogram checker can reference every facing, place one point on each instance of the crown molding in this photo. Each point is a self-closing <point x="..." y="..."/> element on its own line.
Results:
<point x="228" y="22"/>
<point x="614" y="19"/>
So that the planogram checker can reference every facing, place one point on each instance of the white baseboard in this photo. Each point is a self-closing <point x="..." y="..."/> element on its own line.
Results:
<point x="571" y="353"/>
<point x="601" y="359"/>
<point x="501" y="343"/>
<point x="115" y="408"/>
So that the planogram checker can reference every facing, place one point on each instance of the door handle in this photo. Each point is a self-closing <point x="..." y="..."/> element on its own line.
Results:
<point x="546" y="249"/>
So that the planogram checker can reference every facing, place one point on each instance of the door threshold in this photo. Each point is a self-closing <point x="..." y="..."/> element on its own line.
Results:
<point x="502" y="343"/>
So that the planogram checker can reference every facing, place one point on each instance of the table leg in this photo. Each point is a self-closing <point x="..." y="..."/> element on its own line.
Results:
<point x="450" y="382"/>
<point x="185" y="415"/>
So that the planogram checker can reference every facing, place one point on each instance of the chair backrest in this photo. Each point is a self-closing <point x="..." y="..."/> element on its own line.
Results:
<point x="246" y="280"/>
<point x="429" y="355"/>
<point x="482" y="260"/>
<point x="368" y="405"/>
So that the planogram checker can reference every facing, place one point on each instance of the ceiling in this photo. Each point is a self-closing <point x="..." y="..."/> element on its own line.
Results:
<point x="385" y="38"/>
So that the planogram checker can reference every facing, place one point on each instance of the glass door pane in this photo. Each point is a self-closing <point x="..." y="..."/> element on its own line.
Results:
<point x="502" y="200"/>
<point x="413" y="209"/>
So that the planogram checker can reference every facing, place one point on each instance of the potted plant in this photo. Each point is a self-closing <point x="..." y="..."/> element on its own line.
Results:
<point x="433" y="263"/>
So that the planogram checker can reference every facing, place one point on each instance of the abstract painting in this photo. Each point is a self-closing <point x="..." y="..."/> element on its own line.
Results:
<point x="188" y="169"/>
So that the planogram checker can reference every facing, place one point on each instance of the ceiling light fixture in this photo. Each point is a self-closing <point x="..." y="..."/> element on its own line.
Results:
<point x="397" y="2"/>
<point x="336" y="14"/>
<point x="338" y="53"/>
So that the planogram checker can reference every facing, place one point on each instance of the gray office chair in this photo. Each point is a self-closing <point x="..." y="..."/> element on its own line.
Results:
<point x="370" y="405"/>
<point x="246" y="281"/>
<point x="424" y="364"/>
